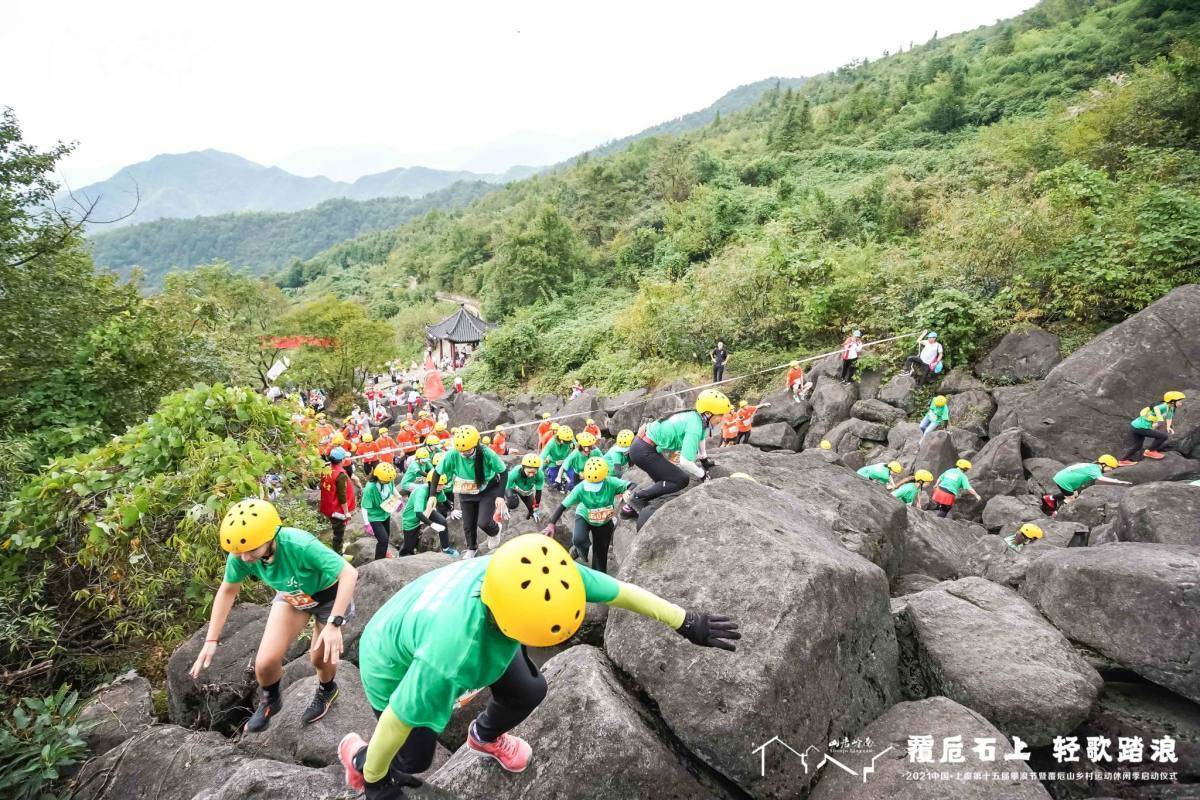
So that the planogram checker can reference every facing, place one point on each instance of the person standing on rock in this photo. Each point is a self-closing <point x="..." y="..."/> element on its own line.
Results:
<point x="594" y="500"/>
<point x="719" y="356"/>
<point x="478" y="486"/>
<point x="730" y="428"/>
<point x="379" y="500"/>
<point x="525" y="484"/>
<point x="881" y="473"/>
<point x="557" y="451"/>
<point x="465" y="626"/>
<point x="796" y="383"/>
<point x="950" y="486"/>
<point x="1074" y="479"/>
<point x="927" y="362"/>
<point x="337" y="501"/>
<point x="310" y="581"/>
<point x="908" y="491"/>
<point x="618" y="456"/>
<point x="668" y="450"/>
<point x="852" y="348"/>
<point x="745" y="420"/>
<point x="421" y="509"/>
<point x="937" y="416"/>
<point x="1146" y="427"/>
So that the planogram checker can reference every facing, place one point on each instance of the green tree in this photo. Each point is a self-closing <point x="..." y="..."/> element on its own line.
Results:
<point x="357" y="344"/>
<point x="534" y="261"/>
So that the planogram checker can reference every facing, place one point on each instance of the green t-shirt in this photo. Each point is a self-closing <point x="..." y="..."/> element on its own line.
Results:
<point x="680" y="433"/>
<point x="1011" y="541"/>
<point x="595" y="507"/>
<point x="414" y="506"/>
<point x="577" y="459"/>
<point x="555" y="452"/>
<point x="301" y="566"/>
<point x="876" y="472"/>
<point x="939" y="413"/>
<point x="1077" y="476"/>
<point x="617" y="457"/>
<point x="460" y="470"/>
<point x="372" y="500"/>
<point x="415" y="469"/>
<point x="1146" y="421"/>
<point x="521" y="483"/>
<point x="907" y="493"/>
<point x="435" y="640"/>
<point x="954" y="481"/>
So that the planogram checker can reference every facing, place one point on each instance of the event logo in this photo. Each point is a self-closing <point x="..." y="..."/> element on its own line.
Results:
<point x="835" y="755"/>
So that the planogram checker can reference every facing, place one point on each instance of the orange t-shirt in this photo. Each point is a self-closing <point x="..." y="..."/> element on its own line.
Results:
<point x="544" y="438"/>
<point x="405" y="439"/>
<point x="386" y="443"/>
<point x="443" y="435"/>
<point x="543" y="429"/>
<point x="794" y="375"/>
<point x="367" y="451"/>
<point x="729" y="428"/>
<point x="594" y="430"/>
<point x="498" y="443"/>
<point x="424" y="427"/>
<point x="745" y="417"/>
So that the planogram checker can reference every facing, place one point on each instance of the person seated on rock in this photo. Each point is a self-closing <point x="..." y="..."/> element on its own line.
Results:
<point x="1074" y="479"/>
<point x="310" y="581"/>
<point x="418" y="466"/>
<point x="730" y="428"/>
<point x="466" y="626"/>
<point x="669" y="450"/>
<point x="937" y="416"/>
<point x="1027" y="533"/>
<point x="796" y="383"/>
<point x="586" y="447"/>
<point x="618" y="456"/>
<point x="1146" y="427"/>
<point x="908" y="490"/>
<point x="379" y="500"/>
<point x="927" y="362"/>
<point x="525" y="484"/>
<point x="545" y="429"/>
<point x="882" y="473"/>
<point x="590" y="426"/>
<point x="594" y="501"/>
<point x="952" y="483"/>
<point x="557" y="451"/>
<point x="421" y="509"/>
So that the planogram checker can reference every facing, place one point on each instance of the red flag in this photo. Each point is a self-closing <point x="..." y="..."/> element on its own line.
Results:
<point x="434" y="389"/>
<point x="429" y="362"/>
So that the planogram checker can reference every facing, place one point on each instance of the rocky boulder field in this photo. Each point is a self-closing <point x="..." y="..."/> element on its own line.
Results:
<point x="886" y="653"/>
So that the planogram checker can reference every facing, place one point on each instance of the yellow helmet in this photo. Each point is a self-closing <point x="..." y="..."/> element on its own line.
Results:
<point x="534" y="591"/>
<point x="439" y="426"/>
<point x="338" y="438"/>
<point x="248" y="525"/>
<point x="940" y="400"/>
<point x="713" y="402"/>
<point x="826" y="444"/>
<point x="1032" y="531"/>
<point x="923" y="476"/>
<point x="896" y="467"/>
<point x="963" y="464"/>
<point x="366" y="437"/>
<point x="590" y="422"/>
<point x="308" y="412"/>
<point x="385" y="472"/>
<point x="320" y="415"/>
<point x="1173" y="397"/>
<point x="383" y="432"/>
<point x="795" y="364"/>
<point x="545" y="415"/>
<point x="625" y="438"/>
<point x="595" y="470"/>
<point x="741" y="403"/>
<point x="442" y="480"/>
<point x="423" y="413"/>
<point x="1107" y="461"/>
<point x="565" y="434"/>
<point x="585" y="439"/>
<point x="437" y="458"/>
<point x="487" y="440"/>
<point x="422" y="454"/>
<point x="466" y="438"/>
<point x="531" y="461"/>
<point x="433" y="440"/>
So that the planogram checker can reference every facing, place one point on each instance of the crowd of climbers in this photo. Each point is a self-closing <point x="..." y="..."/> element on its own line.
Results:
<point x="466" y="626"/>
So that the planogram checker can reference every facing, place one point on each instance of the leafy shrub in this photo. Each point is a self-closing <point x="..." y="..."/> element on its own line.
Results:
<point x="39" y="739"/>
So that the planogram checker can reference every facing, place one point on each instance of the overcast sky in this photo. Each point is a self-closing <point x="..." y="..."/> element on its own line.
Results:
<point x="129" y="80"/>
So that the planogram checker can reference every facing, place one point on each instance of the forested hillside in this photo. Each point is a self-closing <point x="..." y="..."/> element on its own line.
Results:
<point x="263" y="242"/>
<point x="1039" y="170"/>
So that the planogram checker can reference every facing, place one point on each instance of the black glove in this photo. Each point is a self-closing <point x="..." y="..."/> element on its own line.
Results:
<point x="392" y="785"/>
<point x="709" y="630"/>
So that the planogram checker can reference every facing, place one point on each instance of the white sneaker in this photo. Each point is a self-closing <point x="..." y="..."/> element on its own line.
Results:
<point x="468" y="554"/>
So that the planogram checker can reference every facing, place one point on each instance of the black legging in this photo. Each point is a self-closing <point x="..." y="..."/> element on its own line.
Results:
<point x="338" y="526"/>
<point x="512" y="499"/>
<point x="848" y="365"/>
<point x="413" y="536"/>
<point x="1136" y="437"/>
<point x="473" y="504"/>
<point x="743" y="437"/>
<point x="667" y="477"/>
<point x="718" y="372"/>
<point x="601" y="538"/>
<point x="920" y="370"/>
<point x="383" y="531"/>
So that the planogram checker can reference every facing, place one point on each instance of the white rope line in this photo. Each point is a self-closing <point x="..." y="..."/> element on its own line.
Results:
<point x="584" y="414"/>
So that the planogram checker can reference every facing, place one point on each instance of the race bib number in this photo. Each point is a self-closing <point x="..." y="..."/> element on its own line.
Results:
<point x="600" y="514"/>
<point x="392" y="504"/>
<point x="464" y="486"/>
<point x="522" y="492"/>
<point x="300" y="601"/>
<point x="673" y="457"/>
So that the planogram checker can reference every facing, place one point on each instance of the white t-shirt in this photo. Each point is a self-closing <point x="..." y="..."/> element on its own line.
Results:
<point x="930" y="352"/>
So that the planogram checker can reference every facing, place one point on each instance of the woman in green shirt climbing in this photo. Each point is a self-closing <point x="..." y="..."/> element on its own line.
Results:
<point x="1074" y="479"/>
<point x="572" y="468"/>
<point x="881" y="473"/>
<point x="618" y="456"/>
<point x="936" y="417"/>
<point x="594" y="500"/>
<point x="475" y="473"/>
<point x="422" y="509"/>
<point x="909" y="490"/>
<point x="667" y="450"/>
<point x="557" y="451"/>
<point x="464" y="627"/>
<point x="1146" y="427"/>
<point x="525" y="483"/>
<point x="952" y="483"/>
<point x="379" y="500"/>
<point x="311" y="582"/>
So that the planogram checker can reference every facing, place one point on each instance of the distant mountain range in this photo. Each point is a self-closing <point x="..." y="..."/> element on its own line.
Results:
<point x="210" y="182"/>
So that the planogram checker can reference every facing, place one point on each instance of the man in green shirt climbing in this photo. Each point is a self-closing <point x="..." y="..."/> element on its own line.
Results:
<point x="618" y="456"/>
<point x="464" y="627"/>
<point x="572" y="468"/>
<point x="594" y="500"/>
<point x="1146" y="426"/>
<point x="311" y="582"/>
<point x="882" y="473"/>
<point x="556" y="452"/>
<point x="418" y="467"/>
<point x="525" y="484"/>
<point x="1074" y="479"/>
<point x="476" y="476"/>
<point x="952" y="483"/>
<point x="421" y="509"/>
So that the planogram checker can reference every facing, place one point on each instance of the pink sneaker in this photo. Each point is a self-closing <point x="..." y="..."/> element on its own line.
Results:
<point x="348" y="748"/>
<point x="512" y="752"/>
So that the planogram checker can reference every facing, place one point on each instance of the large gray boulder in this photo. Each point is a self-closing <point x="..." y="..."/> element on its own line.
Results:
<point x="222" y="697"/>
<point x="1086" y="402"/>
<point x="1020" y="356"/>
<point x="877" y="411"/>
<point x="817" y="658"/>
<point x="938" y="547"/>
<point x="981" y="645"/>
<point x="990" y="557"/>
<point x="482" y="412"/>
<point x="960" y="380"/>
<point x="1097" y="505"/>
<point x="1041" y="472"/>
<point x="936" y="453"/>
<point x="900" y="392"/>
<point x="775" y="436"/>
<point x="378" y="582"/>
<point x="1006" y="511"/>
<point x="783" y="409"/>
<point x="1135" y="603"/>
<point x="263" y="779"/>
<point x="1160" y="513"/>
<point x="831" y="403"/>
<point x="117" y="711"/>
<point x="852" y="434"/>
<point x="651" y="407"/>
<point x="592" y="739"/>
<point x="1008" y="400"/>
<point x="972" y="410"/>
<point x="941" y="718"/>
<point x="996" y="469"/>
<point x="1171" y="467"/>
<point x="1145" y="710"/>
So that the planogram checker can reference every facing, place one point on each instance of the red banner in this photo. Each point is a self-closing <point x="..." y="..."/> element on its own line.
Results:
<point x="292" y="342"/>
<point x="434" y="389"/>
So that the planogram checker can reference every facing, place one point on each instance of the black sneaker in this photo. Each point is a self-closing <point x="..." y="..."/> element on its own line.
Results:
<point x="268" y="706"/>
<point x="320" y="704"/>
